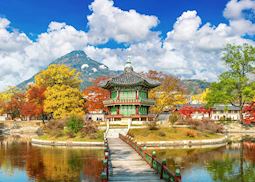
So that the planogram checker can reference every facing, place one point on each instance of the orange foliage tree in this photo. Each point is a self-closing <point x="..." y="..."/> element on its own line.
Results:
<point x="34" y="102"/>
<point x="95" y="96"/>
<point x="13" y="107"/>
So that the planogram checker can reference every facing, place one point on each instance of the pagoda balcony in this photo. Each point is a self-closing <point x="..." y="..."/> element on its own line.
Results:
<point x="145" y="102"/>
<point x="131" y="116"/>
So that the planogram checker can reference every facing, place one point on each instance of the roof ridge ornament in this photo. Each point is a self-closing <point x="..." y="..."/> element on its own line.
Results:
<point x="128" y="66"/>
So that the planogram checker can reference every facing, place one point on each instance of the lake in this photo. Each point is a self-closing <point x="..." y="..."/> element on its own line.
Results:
<point x="230" y="163"/>
<point x="21" y="162"/>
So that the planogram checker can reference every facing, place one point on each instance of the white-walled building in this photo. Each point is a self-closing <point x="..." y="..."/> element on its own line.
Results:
<point x="218" y="112"/>
<point x="225" y="112"/>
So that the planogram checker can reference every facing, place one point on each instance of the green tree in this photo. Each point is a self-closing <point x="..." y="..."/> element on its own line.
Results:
<point x="235" y="85"/>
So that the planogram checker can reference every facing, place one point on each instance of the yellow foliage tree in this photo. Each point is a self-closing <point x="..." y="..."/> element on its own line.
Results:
<point x="62" y="97"/>
<point x="168" y="94"/>
<point x="200" y="98"/>
<point x="6" y="96"/>
<point x="63" y="101"/>
<point x="58" y="75"/>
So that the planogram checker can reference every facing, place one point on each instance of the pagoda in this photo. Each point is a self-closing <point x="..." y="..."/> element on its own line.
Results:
<point x="129" y="96"/>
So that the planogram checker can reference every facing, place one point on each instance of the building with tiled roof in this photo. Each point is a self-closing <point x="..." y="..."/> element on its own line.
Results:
<point x="129" y="95"/>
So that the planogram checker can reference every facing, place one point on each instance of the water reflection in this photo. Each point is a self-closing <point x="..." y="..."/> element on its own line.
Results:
<point x="19" y="161"/>
<point x="234" y="162"/>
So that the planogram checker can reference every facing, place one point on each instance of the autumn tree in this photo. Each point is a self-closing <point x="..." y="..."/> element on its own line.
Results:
<point x="249" y="113"/>
<point x="168" y="94"/>
<point x="58" y="75"/>
<point x="14" y="106"/>
<point x="62" y="96"/>
<point x="187" y="111"/>
<point x="201" y="98"/>
<point x="5" y="97"/>
<point x="95" y="95"/>
<point x="235" y="86"/>
<point x="35" y="97"/>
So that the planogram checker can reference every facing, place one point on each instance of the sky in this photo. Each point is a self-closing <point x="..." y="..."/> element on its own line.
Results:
<point x="181" y="37"/>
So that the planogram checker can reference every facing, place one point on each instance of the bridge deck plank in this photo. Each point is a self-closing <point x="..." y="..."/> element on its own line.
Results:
<point x="126" y="165"/>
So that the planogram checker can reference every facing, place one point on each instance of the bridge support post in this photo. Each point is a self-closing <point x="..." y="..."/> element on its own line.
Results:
<point x="177" y="177"/>
<point x="153" y="157"/>
<point x="162" y="168"/>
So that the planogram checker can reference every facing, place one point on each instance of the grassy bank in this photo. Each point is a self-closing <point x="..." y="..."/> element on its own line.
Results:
<point x="96" y="137"/>
<point x="167" y="134"/>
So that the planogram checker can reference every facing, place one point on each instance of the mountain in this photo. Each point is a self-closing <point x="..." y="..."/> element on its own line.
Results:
<point x="89" y="68"/>
<point x="195" y="86"/>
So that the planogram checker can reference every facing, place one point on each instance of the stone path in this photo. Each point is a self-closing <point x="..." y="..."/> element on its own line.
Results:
<point x="114" y="132"/>
<point x="126" y="165"/>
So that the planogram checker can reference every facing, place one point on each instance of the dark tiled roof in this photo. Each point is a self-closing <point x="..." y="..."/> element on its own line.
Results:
<point x="225" y="107"/>
<point x="217" y="107"/>
<point x="128" y="78"/>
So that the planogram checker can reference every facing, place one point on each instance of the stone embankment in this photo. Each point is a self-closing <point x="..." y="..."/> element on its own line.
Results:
<point x="186" y="143"/>
<point x="66" y="143"/>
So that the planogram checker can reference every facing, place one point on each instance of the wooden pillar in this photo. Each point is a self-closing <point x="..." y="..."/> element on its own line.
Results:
<point x="118" y="110"/>
<point x="137" y="94"/>
<point x="136" y="110"/>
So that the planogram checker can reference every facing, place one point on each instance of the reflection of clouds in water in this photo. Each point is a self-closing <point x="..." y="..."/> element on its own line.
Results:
<point x="213" y="164"/>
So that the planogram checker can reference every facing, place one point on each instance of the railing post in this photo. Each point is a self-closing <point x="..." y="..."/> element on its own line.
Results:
<point x="103" y="177"/>
<point x="162" y="168"/>
<point x="177" y="177"/>
<point x="153" y="156"/>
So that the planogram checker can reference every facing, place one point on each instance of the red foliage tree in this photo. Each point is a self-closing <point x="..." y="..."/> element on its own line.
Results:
<point x="186" y="111"/>
<point x="249" y="113"/>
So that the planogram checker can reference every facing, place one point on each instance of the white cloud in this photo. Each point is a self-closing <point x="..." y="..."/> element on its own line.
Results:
<point x="240" y="15"/>
<point x="109" y="22"/>
<point x="191" y="49"/>
<point x="21" y="57"/>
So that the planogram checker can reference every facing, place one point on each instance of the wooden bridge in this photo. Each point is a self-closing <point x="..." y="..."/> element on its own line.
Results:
<point x="125" y="161"/>
<point x="127" y="165"/>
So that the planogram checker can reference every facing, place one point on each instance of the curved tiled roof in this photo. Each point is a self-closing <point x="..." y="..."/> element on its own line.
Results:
<point x="129" y="78"/>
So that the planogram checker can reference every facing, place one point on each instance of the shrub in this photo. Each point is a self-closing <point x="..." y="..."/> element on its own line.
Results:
<point x="162" y="134"/>
<point x="74" y="124"/>
<point x="173" y="118"/>
<point x="152" y="125"/>
<point x="56" y="125"/>
<point x="191" y="133"/>
<point x="89" y="128"/>
<point x="206" y="125"/>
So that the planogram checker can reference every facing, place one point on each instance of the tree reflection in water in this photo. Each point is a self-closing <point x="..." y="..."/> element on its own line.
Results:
<point x="231" y="163"/>
<point x="51" y="163"/>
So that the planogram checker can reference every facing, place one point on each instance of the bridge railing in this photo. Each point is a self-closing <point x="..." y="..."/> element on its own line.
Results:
<point x="158" y="165"/>
<point x="105" y="173"/>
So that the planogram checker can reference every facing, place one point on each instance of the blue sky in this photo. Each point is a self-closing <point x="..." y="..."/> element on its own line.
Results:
<point x="184" y="38"/>
<point x="33" y="17"/>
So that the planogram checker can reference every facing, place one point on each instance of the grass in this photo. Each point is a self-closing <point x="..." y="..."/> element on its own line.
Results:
<point x="98" y="137"/>
<point x="167" y="134"/>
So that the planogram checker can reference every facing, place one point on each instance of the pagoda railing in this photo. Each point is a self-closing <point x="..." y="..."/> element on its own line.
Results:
<point x="129" y="101"/>
<point x="158" y="165"/>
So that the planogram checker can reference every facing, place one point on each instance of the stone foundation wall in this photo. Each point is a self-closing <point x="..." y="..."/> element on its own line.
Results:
<point x="67" y="143"/>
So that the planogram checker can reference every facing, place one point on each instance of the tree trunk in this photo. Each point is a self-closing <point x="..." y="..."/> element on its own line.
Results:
<point x="241" y="115"/>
